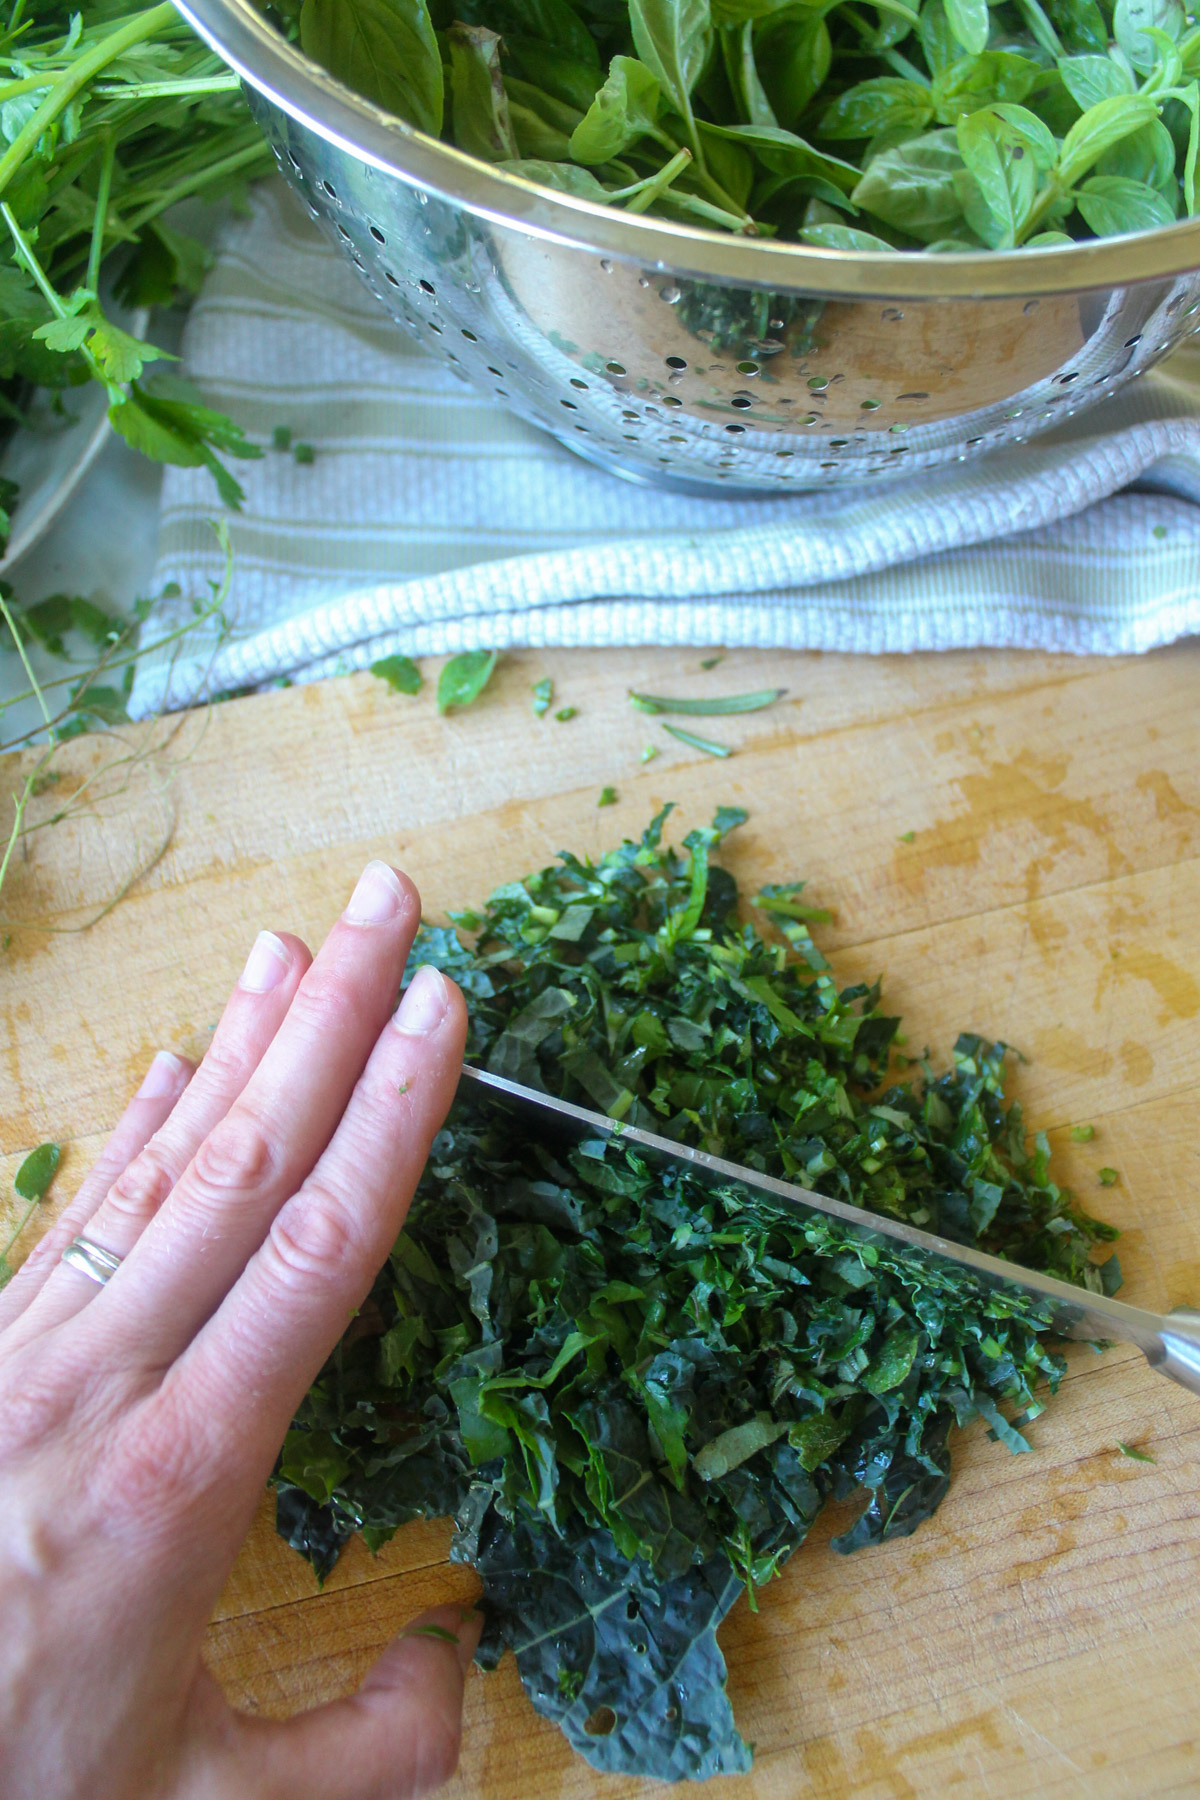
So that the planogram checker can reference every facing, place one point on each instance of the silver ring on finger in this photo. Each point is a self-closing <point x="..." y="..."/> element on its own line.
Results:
<point x="92" y="1260"/>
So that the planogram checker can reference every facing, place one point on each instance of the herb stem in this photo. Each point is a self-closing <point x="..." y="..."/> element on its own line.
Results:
<point x="103" y="190"/>
<point x="696" y="742"/>
<point x="80" y="72"/>
<point x="182" y="190"/>
<point x="35" y="685"/>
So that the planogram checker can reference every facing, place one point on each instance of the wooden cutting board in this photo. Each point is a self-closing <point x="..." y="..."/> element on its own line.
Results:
<point x="1041" y="1636"/>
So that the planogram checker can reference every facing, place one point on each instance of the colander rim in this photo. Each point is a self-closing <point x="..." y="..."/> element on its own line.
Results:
<point x="280" y="72"/>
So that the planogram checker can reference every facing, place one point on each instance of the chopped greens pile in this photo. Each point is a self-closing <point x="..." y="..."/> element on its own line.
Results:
<point x="633" y="1392"/>
<point x="940" y="125"/>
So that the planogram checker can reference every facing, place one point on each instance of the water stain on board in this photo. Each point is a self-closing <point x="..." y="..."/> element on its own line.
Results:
<point x="1178" y="990"/>
<point x="1012" y="797"/>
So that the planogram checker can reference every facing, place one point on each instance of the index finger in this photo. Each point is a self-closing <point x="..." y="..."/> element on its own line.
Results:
<point x="244" y="1374"/>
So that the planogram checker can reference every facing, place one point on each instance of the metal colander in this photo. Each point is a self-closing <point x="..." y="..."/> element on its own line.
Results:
<point x="695" y="360"/>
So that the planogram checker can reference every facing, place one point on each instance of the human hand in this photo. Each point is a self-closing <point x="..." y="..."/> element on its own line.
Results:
<point x="252" y="1203"/>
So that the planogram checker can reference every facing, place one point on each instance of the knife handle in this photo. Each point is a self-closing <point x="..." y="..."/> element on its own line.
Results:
<point x="1177" y="1353"/>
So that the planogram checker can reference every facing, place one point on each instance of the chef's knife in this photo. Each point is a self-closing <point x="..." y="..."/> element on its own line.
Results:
<point x="1171" y="1344"/>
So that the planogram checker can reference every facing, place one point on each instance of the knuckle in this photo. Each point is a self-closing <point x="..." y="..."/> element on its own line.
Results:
<point x="141" y="1188"/>
<point x="316" y="1236"/>
<point x="225" y="1065"/>
<point x="236" y="1157"/>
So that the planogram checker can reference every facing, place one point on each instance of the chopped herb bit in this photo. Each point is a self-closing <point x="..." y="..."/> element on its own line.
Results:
<point x="1082" y="1134"/>
<point x="698" y="743"/>
<point x="400" y="672"/>
<point x="907" y="837"/>
<point x="438" y="1632"/>
<point x="566" y="712"/>
<point x="728" y="703"/>
<point x="402" y="1087"/>
<point x="608" y="797"/>
<point x="1132" y="1454"/>
<point x="1159" y="531"/>
<point x="464" y="678"/>
<point x="635" y="1392"/>
<point x="37" y="1171"/>
<point x="710" y="662"/>
<point x="281" y="437"/>
<point x="1107" y="1177"/>
<point x="303" y="453"/>
<point x="650" y="752"/>
<point x="543" y="696"/>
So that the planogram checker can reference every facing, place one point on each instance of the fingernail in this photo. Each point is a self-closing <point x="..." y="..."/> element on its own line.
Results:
<point x="378" y="896"/>
<point x="267" y="964"/>
<point x="424" y="1004"/>
<point x="166" y="1075"/>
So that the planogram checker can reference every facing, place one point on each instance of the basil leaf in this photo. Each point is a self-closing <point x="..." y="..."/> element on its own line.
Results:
<point x="970" y="22"/>
<point x="918" y="187"/>
<point x="673" y="38"/>
<point x="1089" y="79"/>
<point x="1112" y="204"/>
<point x="384" y="50"/>
<point x="565" y="176"/>
<point x="37" y="1172"/>
<point x="794" y="60"/>
<point x="887" y="103"/>
<point x="1131" y="18"/>
<point x="982" y="81"/>
<point x="464" y="678"/>
<point x="480" y="118"/>
<point x="624" y="109"/>
<point x="842" y="237"/>
<point x="1079" y="23"/>
<point x="1102" y="126"/>
<point x="1005" y="178"/>
<point x="784" y="153"/>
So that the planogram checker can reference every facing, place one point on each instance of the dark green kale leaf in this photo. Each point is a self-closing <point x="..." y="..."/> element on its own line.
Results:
<point x="635" y="1392"/>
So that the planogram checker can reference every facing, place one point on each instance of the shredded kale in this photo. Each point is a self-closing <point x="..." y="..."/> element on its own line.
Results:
<point x="634" y="1392"/>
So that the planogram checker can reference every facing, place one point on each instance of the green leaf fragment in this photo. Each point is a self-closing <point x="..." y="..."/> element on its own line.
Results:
<point x="608" y="797"/>
<point x="728" y="703"/>
<point x="1082" y="1134"/>
<point x="1134" y="1455"/>
<point x="566" y="712"/>
<point x="1107" y="1177"/>
<point x="543" y="696"/>
<point x="464" y="678"/>
<point x="694" y="742"/>
<point x="400" y="672"/>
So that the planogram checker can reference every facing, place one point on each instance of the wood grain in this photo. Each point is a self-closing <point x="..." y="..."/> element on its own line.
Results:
<point x="1039" y="1637"/>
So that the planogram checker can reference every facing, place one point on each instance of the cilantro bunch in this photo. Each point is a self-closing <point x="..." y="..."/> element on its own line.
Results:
<point x="940" y="125"/>
<point x="635" y="1392"/>
<point x="108" y="118"/>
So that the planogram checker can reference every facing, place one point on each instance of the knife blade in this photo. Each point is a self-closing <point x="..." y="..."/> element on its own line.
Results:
<point x="1170" y="1342"/>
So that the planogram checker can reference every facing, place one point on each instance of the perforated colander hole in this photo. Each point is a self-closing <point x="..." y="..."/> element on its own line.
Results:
<point x="583" y="429"/>
<point x="434" y="326"/>
<point x="675" y="362"/>
<point x="394" y="279"/>
<point x="295" y="161"/>
<point x="328" y="188"/>
<point x="810" y="419"/>
<point x="747" y="368"/>
<point x="469" y="335"/>
<point x="376" y="234"/>
<point x="741" y="401"/>
<point x="606" y="265"/>
<point x="630" y="418"/>
<point x="628" y="437"/>
<point x="919" y="394"/>
<point x="1030" y="306"/>
<point x="675" y="438"/>
<point x="577" y="383"/>
<point x="783" y="453"/>
<point x="891" y="314"/>
<point x="569" y="404"/>
<point x="615" y="368"/>
<point x="342" y="232"/>
<point x="503" y="393"/>
<point x="1174" y="305"/>
<point x="492" y="370"/>
<point x="735" y="429"/>
<point x="671" y="400"/>
<point x="427" y="287"/>
<point x="601" y="1723"/>
<point x="838" y="443"/>
<point x="670" y="295"/>
<point x="818" y="383"/>
<point x="1132" y="343"/>
<point x="869" y="405"/>
<point x="1065" y="379"/>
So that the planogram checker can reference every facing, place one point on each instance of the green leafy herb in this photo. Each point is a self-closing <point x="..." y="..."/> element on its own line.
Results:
<point x="1107" y="1177"/>
<point x="710" y="662"/>
<point x="400" y="672"/>
<point x="543" y="696"/>
<point x="566" y="712"/>
<point x="728" y="703"/>
<point x="464" y="678"/>
<point x="649" y="752"/>
<point x="1134" y="1455"/>
<point x="635" y="1392"/>
<point x="608" y="797"/>
<point x="1082" y="1134"/>
<point x="304" y="454"/>
<point x="948" y="125"/>
<point x="696" y="742"/>
<point x="281" y="437"/>
<point x="37" y="1172"/>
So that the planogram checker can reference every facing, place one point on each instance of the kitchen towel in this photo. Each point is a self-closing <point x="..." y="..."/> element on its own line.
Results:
<point x="430" y="519"/>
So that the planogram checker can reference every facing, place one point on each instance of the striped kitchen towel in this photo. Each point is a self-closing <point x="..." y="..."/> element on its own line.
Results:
<point x="430" y="519"/>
